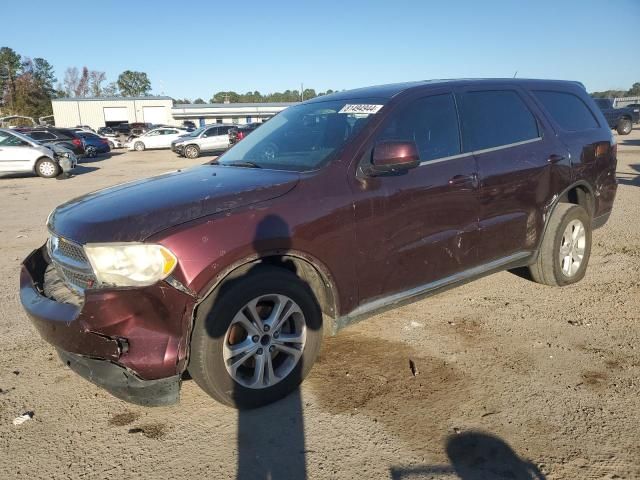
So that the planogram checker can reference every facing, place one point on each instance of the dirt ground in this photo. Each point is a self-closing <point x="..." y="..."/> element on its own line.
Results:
<point x="514" y="379"/>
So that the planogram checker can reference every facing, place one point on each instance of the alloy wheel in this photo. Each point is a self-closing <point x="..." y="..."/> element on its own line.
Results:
<point x="572" y="248"/>
<point x="264" y="341"/>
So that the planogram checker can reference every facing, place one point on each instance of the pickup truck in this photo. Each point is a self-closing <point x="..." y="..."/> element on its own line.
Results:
<point x="619" y="119"/>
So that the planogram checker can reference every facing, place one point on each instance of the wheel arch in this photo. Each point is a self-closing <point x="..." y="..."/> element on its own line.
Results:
<point x="39" y="159"/>
<point x="578" y="193"/>
<point x="306" y="267"/>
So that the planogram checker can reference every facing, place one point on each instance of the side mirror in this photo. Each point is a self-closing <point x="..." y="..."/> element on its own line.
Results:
<point x="391" y="157"/>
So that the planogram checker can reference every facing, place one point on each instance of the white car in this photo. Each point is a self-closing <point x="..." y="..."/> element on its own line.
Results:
<point x="21" y="154"/>
<point x="156" y="138"/>
<point x="209" y="138"/>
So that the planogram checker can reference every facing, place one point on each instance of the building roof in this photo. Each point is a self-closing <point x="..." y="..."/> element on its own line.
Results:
<point x="234" y="105"/>
<point x="103" y="99"/>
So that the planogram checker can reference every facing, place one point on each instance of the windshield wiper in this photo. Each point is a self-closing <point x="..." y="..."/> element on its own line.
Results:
<point x="241" y="163"/>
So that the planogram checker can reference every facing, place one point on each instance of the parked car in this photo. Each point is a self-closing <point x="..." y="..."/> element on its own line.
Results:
<point x="189" y="125"/>
<point x="238" y="133"/>
<point x="94" y="144"/>
<point x="123" y="129"/>
<point x="339" y="207"/>
<point x="210" y="138"/>
<point x="619" y="119"/>
<point x="636" y="110"/>
<point x="86" y="127"/>
<point x="107" y="132"/>
<point x="64" y="137"/>
<point x="22" y="154"/>
<point x="158" y="138"/>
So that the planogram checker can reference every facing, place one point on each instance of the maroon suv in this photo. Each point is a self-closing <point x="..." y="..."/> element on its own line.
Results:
<point x="335" y="209"/>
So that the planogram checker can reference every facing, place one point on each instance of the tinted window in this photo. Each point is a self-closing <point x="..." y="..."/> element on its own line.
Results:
<point x="41" y="136"/>
<point x="431" y="122"/>
<point x="495" y="118"/>
<point x="211" y="132"/>
<point x="568" y="110"/>
<point x="8" y="140"/>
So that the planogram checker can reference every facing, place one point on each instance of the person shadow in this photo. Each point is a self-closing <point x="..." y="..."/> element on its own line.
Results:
<point x="475" y="456"/>
<point x="270" y="439"/>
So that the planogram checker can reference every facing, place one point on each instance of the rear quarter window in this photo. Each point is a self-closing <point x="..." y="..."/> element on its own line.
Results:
<point x="567" y="110"/>
<point x="495" y="118"/>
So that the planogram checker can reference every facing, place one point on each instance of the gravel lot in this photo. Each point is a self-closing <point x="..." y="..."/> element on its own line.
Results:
<point x="513" y="379"/>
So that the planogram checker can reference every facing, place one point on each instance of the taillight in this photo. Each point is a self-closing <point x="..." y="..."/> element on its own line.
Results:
<point x="76" y="142"/>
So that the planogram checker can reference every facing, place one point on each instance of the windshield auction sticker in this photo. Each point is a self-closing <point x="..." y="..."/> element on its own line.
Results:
<point x="361" y="108"/>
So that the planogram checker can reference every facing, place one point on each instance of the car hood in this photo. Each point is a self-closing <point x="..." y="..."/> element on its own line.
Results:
<point x="133" y="211"/>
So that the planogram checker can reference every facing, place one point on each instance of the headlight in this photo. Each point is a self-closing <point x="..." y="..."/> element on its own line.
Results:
<point x="130" y="264"/>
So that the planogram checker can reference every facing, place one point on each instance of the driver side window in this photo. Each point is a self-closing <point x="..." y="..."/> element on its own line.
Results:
<point x="7" y="140"/>
<point x="430" y="122"/>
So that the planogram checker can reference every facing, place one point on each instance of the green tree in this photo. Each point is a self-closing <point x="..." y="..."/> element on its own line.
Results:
<point x="10" y="67"/>
<point x="82" y="90"/>
<point x="634" y="91"/>
<point x="133" y="84"/>
<point x="199" y="101"/>
<point x="44" y="76"/>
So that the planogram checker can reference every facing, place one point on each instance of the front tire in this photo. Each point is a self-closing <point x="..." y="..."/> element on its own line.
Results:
<point x="566" y="247"/>
<point x="47" y="168"/>
<point x="624" y="126"/>
<point x="256" y="338"/>
<point x="192" y="151"/>
<point x="91" y="152"/>
<point x="138" y="146"/>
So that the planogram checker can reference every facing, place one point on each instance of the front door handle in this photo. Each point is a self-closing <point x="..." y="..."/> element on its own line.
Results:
<point x="554" y="158"/>
<point x="461" y="180"/>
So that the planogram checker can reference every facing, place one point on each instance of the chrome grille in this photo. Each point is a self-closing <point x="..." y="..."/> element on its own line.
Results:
<point x="71" y="263"/>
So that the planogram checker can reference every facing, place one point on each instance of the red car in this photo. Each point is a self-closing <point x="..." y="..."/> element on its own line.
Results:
<point x="336" y="209"/>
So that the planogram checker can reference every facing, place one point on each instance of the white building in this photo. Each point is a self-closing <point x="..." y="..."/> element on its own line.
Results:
<point x="112" y="111"/>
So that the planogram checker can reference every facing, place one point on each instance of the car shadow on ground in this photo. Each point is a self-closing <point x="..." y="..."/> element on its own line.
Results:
<point x="631" y="142"/>
<point x="629" y="177"/>
<point x="475" y="456"/>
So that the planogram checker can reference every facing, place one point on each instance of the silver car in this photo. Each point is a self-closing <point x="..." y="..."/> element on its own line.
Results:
<point x="210" y="138"/>
<point x="21" y="154"/>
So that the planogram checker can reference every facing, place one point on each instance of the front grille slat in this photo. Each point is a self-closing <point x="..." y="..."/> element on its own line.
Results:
<point x="71" y="263"/>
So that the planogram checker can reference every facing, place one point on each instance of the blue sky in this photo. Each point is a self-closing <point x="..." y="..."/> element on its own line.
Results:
<point x="195" y="48"/>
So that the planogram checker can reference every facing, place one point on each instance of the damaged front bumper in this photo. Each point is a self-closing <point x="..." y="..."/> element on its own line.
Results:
<point x="130" y="341"/>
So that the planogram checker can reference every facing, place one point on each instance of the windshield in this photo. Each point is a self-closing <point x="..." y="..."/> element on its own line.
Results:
<point x="305" y="136"/>
<point x="197" y="132"/>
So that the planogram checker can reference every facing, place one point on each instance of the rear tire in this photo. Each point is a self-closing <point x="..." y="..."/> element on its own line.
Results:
<point x="47" y="168"/>
<point x="566" y="247"/>
<point x="624" y="126"/>
<point x="138" y="146"/>
<point x="212" y="366"/>
<point x="192" y="151"/>
<point x="91" y="152"/>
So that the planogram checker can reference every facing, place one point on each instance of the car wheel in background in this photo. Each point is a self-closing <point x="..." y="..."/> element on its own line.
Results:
<point x="111" y="145"/>
<point x="566" y="247"/>
<point x="138" y="146"/>
<point x="47" y="168"/>
<point x="255" y="338"/>
<point x="192" y="151"/>
<point x="91" y="151"/>
<point x="624" y="126"/>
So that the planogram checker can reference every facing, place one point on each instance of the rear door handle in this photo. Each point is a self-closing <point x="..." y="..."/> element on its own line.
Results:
<point x="461" y="180"/>
<point x="554" y="158"/>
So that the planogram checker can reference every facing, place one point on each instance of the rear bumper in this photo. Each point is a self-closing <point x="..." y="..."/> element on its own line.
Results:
<point x="122" y="383"/>
<point x="142" y="332"/>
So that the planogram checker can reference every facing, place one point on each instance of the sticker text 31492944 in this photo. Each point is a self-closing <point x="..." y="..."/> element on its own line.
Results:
<point x="360" y="108"/>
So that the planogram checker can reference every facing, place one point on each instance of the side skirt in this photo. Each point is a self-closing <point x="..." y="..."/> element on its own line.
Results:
<point x="383" y="304"/>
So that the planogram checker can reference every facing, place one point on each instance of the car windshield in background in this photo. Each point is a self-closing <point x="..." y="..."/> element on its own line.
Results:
<point x="197" y="132"/>
<point x="303" y="137"/>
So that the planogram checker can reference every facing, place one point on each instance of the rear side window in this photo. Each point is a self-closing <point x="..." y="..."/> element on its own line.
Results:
<point x="431" y="122"/>
<point x="212" y="132"/>
<point x="568" y="110"/>
<point x="495" y="118"/>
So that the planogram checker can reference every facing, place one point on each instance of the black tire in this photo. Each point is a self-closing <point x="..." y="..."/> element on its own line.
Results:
<point x="139" y="146"/>
<point x="192" y="151"/>
<point x="91" y="152"/>
<point x="624" y="126"/>
<point x="548" y="268"/>
<point x="215" y="314"/>
<point x="47" y="168"/>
